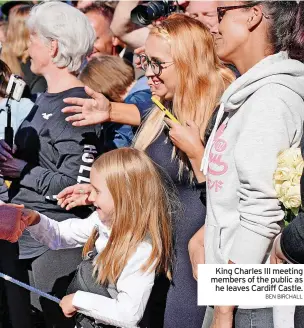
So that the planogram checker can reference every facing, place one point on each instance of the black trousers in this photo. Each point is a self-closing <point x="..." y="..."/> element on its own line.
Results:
<point x="17" y="298"/>
<point x="51" y="272"/>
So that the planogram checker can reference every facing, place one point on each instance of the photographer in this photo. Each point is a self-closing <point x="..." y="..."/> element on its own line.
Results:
<point x="122" y="27"/>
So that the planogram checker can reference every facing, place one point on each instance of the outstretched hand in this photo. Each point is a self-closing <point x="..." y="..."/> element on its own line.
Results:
<point x="88" y="111"/>
<point x="12" y="222"/>
<point x="77" y="195"/>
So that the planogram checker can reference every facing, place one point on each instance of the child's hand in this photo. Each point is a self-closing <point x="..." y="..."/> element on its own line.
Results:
<point x="67" y="306"/>
<point x="77" y="195"/>
<point x="30" y="217"/>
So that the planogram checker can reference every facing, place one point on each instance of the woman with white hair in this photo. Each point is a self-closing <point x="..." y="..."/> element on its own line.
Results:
<point x="51" y="154"/>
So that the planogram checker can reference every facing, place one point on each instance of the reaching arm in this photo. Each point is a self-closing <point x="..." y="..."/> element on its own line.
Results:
<point x="125" y="114"/>
<point x="66" y="234"/>
<point x="99" y="110"/>
<point x="124" y="29"/>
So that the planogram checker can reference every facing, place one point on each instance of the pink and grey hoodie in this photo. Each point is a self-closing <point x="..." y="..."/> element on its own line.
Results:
<point x="266" y="114"/>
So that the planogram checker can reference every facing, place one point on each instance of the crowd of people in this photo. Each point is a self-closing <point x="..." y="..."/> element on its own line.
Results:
<point x="109" y="204"/>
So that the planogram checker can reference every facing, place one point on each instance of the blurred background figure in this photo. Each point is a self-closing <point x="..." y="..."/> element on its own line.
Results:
<point x="15" y="49"/>
<point x="7" y="7"/>
<point x="81" y="4"/>
<point x="112" y="76"/>
<point x="205" y="12"/>
<point x="100" y="15"/>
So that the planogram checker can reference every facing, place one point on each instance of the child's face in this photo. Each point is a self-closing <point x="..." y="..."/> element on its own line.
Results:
<point x="102" y="198"/>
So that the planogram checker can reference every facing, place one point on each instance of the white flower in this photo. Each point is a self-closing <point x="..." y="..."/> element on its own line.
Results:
<point x="283" y="173"/>
<point x="292" y="198"/>
<point x="300" y="167"/>
<point x="278" y="188"/>
<point x="290" y="157"/>
<point x="287" y="178"/>
<point x="295" y="178"/>
<point x="283" y="190"/>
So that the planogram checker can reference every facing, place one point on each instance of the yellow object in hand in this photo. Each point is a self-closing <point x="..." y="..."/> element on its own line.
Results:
<point x="164" y="109"/>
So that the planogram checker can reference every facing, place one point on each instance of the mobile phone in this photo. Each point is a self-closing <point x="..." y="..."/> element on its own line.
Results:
<point x="15" y="87"/>
<point x="164" y="109"/>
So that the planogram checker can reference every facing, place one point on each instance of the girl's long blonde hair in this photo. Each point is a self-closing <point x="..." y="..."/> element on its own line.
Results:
<point x="201" y="80"/>
<point x="142" y="212"/>
<point x="15" y="49"/>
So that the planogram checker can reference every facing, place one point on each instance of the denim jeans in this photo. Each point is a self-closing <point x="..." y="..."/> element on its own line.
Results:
<point x="245" y="318"/>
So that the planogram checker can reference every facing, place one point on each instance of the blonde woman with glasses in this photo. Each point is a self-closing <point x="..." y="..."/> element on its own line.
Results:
<point x="185" y="74"/>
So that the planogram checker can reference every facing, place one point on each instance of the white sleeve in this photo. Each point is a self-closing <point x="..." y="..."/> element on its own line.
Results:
<point x="269" y="127"/>
<point x="66" y="234"/>
<point x="134" y="288"/>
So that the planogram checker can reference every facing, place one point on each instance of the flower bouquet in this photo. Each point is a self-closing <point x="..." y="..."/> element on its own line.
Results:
<point x="287" y="181"/>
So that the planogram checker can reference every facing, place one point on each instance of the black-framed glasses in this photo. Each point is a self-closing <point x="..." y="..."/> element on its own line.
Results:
<point x="156" y="66"/>
<point x="221" y="11"/>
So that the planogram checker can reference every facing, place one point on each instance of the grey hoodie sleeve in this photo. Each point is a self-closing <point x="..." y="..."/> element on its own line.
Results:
<point x="268" y="127"/>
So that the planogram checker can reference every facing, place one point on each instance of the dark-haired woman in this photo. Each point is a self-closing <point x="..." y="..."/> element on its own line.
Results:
<point x="265" y="106"/>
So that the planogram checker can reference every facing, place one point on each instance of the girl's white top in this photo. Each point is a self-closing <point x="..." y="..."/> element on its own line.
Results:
<point x="133" y="286"/>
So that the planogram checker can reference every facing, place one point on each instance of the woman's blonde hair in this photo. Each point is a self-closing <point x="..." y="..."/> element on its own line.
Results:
<point x="142" y="212"/>
<point x="109" y="75"/>
<point x="15" y="49"/>
<point x="201" y="80"/>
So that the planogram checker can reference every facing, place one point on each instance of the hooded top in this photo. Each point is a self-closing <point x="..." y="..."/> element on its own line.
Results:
<point x="265" y="115"/>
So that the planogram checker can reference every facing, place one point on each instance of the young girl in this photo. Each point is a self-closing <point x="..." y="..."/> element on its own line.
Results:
<point x="130" y="230"/>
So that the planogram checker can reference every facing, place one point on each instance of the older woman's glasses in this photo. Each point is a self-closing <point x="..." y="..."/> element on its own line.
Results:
<point x="156" y="66"/>
<point x="221" y="11"/>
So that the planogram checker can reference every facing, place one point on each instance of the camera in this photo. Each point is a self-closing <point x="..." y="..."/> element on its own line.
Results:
<point x="15" y="87"/>
<point x="152" y="10"/>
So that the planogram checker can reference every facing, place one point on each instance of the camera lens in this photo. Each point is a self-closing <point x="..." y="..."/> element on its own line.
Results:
<point x="146" y="13"/>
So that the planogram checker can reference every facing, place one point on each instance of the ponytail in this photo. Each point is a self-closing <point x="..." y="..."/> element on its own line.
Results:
<point x="295" y="48"/>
